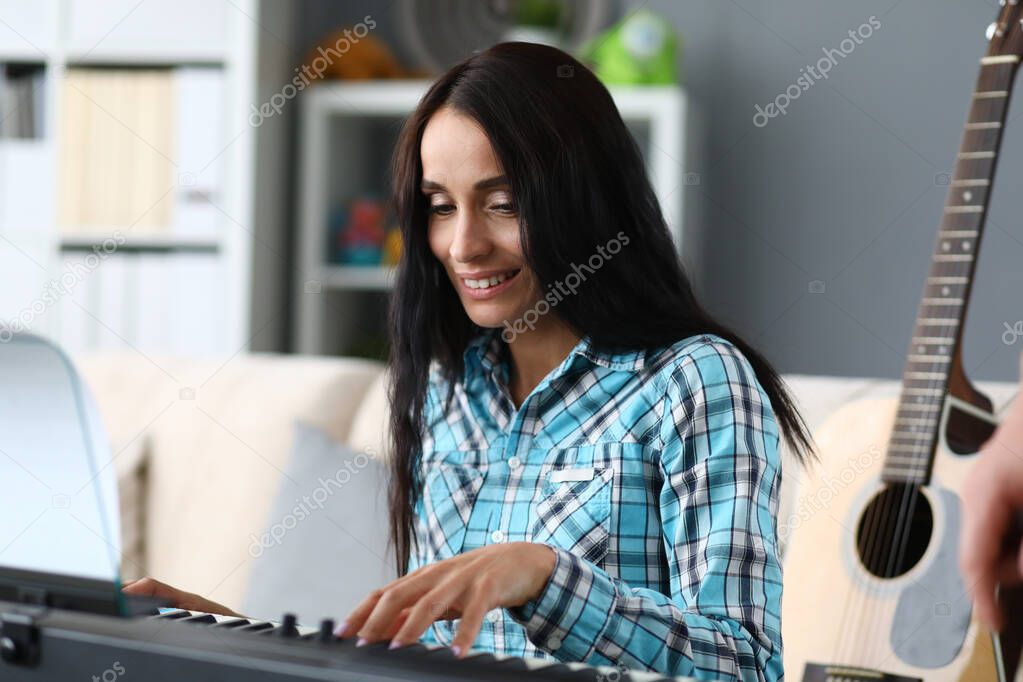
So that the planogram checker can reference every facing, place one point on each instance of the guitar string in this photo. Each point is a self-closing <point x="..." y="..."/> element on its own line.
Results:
<point x="911" y="491"/>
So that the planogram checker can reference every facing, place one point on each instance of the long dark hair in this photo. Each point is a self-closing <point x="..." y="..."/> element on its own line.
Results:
<point x="578" y="178"/>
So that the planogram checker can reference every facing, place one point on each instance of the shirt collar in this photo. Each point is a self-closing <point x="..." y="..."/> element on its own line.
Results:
<point x="485" y="351"/>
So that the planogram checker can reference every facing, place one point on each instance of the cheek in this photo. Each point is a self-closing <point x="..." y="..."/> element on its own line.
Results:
<point x="439" y="241"/>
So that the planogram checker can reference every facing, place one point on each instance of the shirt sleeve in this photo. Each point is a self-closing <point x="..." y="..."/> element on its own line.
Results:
<point x="720" y="467"/>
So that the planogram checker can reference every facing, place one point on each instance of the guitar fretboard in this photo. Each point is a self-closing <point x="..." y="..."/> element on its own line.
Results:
<point x="942" y="311"/>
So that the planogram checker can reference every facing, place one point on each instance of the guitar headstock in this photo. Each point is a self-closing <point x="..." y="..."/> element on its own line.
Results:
<point x="1006" y="34"/>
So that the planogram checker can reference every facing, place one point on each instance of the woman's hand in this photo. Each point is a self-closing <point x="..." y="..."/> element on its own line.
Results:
<point x="147" y="587"/>
<point x="466" y="586"/>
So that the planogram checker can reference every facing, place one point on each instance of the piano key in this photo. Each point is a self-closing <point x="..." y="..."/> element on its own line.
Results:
<point x="174" y="614"/>
<point x="200" y="619"/>
<point x="256" y="627"/>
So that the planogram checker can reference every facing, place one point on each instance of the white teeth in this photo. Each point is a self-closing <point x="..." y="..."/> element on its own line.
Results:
<point x="486" y="283"/>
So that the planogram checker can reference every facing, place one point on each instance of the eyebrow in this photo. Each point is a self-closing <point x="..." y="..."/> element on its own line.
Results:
<point x="489" y="183"/>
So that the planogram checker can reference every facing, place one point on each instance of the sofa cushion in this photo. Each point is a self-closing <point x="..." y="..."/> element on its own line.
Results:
<point x="323" y="547"/>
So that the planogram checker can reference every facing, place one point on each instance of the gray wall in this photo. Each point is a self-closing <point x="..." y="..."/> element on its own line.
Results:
<point x="843" y="188"/>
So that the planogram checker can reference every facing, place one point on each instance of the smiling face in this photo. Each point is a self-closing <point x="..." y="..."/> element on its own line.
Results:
<point x="474" y="221"/>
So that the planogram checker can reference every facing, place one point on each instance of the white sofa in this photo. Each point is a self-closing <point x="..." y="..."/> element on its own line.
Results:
<point x="200" y="447"/>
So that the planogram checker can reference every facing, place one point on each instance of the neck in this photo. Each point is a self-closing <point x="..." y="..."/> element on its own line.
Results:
<point x="534" y="354"/>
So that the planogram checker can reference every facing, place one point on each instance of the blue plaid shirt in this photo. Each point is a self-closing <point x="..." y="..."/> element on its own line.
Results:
<point x="654" y="476"/>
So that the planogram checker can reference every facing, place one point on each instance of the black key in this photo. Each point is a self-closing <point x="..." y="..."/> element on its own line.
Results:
<point x="256" y="627"/>
<point x="512" y="663"/>
<point x="175" y="615"/>
<point x="201" y="619"/>
<point x="233" y="623"/>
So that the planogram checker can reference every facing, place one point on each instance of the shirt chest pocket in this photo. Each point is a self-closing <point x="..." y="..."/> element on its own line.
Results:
<point x="450" y="492"/>
<point x="574" y="511"/>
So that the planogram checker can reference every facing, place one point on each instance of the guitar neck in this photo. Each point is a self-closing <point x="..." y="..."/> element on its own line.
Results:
<point x="938" y="329"/>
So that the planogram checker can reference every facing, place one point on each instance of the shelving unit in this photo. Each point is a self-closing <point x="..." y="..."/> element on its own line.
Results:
<point x="244" y="290"/>
<point x="347" y="133"/>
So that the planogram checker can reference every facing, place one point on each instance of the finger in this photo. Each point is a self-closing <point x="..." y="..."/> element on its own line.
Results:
<point x="358" y="616"/>
<point x="440" y="602"/>
<point x="472" y="620"/>
<point x="380" y="622"/>
<point x="985" y="523"/>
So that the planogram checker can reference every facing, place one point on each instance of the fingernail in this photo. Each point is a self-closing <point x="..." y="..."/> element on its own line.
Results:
<point x="362" y="642"/>
<point x="456" y="650"/>
<point x="342" y="628"/>
<point x="394" y="644"/>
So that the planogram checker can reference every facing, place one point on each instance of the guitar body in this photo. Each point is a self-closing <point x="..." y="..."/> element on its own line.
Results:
<point x="837" y="612"/>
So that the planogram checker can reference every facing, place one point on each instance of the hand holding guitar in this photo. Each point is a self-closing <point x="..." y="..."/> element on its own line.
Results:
<point x="991" y="552"/>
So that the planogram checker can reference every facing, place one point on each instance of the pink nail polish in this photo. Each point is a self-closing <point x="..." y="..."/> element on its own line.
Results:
<point x="342" y="628"/>
<point x="394" y="644"/>
<point x="456" y="650"/>
<point x="362" y="642"/>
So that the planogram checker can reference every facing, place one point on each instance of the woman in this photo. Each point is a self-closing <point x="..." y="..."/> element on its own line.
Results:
<point x="585" y="464"/>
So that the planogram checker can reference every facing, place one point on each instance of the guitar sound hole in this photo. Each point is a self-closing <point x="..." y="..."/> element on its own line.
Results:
<point x="894" y="530"/>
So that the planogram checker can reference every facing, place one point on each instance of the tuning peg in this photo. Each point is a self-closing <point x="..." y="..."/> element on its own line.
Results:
<point x="992" y="30"/>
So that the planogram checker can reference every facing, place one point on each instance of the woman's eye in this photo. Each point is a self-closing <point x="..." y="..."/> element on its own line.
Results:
<point x="504" y="208"/>
<point x="441" y="209"/>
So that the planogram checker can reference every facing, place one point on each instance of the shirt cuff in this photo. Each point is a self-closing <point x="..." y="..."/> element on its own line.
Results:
<point x="573" y="610"/>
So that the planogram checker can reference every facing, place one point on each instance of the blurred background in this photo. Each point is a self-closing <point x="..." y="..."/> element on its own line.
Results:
<point x="204" y="178"/>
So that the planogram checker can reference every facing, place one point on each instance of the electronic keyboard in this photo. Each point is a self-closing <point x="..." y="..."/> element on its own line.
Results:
<point x="51" y="644"/>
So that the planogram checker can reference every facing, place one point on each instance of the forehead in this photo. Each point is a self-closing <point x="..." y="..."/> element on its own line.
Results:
<point x="455" y="150"/>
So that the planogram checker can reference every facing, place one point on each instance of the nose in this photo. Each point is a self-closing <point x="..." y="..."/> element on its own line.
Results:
<point x="470" y="240"/>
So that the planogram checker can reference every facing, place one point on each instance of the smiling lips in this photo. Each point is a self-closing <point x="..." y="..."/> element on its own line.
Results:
<point x="488" y="286"/>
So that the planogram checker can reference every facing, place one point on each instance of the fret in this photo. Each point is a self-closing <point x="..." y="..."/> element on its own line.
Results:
<point x="943" y="301"/>
<point x="917" y="407"/>
<point x="958" y="233"/>
<point x="976" y="155"/>
<point x="930" y="359"/>
<point x="925" y="375"/>
<point x="915" y="440"/>
<point x="984" y="125"/>
<point x="991" y="94"/>
<point x="971" y="182"/>
<point x="914" y="420"/>
<point x="948" y="280"/>
<point x="1000" y="59"/>
<point x="937" y="321"/>
<point x="905" y="460"/>
<point x="952" y="258"/>
<point x="923" y="391"/>
<point x="967" y="208"/>
<point x="902" y="447"/>
<point x="906" y="475"/>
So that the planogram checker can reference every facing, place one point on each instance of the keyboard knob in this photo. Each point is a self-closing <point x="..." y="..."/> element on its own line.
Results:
<point x="288" y="626"/>
<point x="326" y="633"/>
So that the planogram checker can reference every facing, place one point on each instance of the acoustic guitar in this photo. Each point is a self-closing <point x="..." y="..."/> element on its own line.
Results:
<point x="872" y="585"/>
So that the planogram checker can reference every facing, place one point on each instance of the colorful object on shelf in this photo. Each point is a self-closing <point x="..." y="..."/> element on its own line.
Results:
<point x="639" y="50"/>
<point x="357" y="233"/>
<point x="345" y="55"/>
<point x="392" y="247"/>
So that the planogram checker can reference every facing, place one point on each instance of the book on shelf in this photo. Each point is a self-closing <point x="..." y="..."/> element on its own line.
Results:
<point x="140" y="149"/>
<point x="161" y="303"/>
<point x="21" y="101"/>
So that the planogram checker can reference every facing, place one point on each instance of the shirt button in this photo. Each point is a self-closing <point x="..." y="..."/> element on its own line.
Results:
<point x="497" y="536"/>
<point x="514" y="463"/>
<point x="553" y="643"/>
<point x="494" y="615"/>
